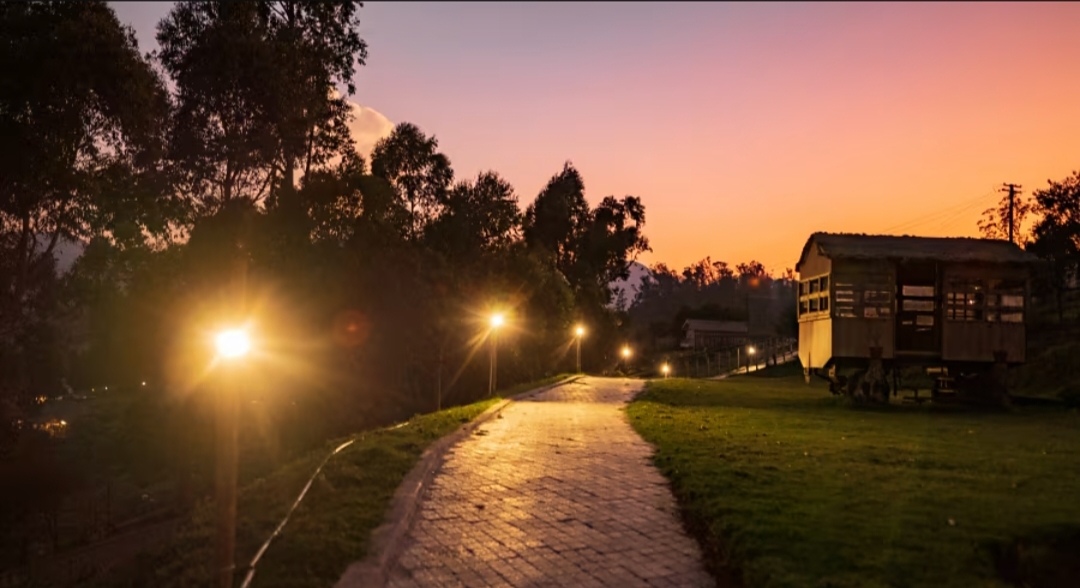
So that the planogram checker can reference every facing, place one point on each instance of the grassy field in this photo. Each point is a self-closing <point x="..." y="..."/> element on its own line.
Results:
<point x="792" y="487"/>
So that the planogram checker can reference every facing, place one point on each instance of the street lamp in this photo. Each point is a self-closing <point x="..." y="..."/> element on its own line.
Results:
<point x="750" y="351"/>
<point x="497" y="321"/>
<point x="626" y="353"/>
<point x="232" y="345"/>
<point x="666" y="369"/>
<point x="579" y="332"/>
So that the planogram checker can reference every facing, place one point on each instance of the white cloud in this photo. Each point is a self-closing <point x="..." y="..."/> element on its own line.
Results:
<point x="367" y="127"/>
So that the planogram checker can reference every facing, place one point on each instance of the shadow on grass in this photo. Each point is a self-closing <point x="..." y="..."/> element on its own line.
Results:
<point x="1044" y="558"/>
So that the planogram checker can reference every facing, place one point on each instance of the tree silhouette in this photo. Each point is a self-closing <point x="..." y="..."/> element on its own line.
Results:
<point x="79" y="124"/>
<point x="411" y="162"/>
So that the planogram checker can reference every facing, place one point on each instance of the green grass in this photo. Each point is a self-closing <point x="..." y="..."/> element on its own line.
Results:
<point x="331" y="527"/>
<point x="792" y="487"/>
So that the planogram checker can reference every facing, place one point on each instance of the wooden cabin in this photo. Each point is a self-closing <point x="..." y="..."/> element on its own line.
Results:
<point x="914" y="300"/>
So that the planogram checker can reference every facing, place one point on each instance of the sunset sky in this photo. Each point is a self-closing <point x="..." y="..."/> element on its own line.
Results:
<point x="744" y="127"/>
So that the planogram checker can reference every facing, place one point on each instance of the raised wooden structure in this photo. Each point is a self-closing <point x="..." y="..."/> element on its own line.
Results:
<point x="876" y="303"/>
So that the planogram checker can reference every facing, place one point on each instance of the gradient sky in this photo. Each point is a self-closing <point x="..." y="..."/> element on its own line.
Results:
<point x="744" y="127"/>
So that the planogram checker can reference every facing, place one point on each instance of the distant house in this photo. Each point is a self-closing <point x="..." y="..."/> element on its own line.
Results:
<point x="706" y="334"/>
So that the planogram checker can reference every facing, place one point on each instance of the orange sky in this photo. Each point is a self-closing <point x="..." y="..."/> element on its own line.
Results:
<point x="744" y="127"/>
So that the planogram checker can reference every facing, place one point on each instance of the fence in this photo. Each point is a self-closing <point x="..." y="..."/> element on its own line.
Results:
<point x="708" y="363"/>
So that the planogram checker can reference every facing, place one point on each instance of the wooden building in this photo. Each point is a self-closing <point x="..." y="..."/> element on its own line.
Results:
<point x="708" y="334"/>
<point x="954" y="302"/>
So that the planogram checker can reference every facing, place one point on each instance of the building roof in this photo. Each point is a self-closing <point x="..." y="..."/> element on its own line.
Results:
<point x="948" y="249"/>
<point x="723" y="326"/>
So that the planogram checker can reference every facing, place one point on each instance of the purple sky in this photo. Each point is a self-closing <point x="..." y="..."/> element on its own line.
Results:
<point x="744" y="127"/>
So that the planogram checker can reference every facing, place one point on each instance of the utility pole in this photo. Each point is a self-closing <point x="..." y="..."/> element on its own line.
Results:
<point x="1014" y="190"/>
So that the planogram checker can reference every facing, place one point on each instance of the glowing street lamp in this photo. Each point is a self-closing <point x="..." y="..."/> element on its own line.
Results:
<point x="497" y="320"/>
<point x="232" y="346"/>
<point x="579" y="332"/>
<point x="626" y="353"/>
<point x="666" y="369"/>
<point x="232" y="343"/>
<point x="750" y="351"/>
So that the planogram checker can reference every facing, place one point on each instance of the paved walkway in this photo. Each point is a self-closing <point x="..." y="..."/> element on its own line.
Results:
<point x="557" y="491"/>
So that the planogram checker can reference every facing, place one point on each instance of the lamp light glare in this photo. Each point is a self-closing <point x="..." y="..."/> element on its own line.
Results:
<point x="233" y="343"/>
<point x="497" y="321"/>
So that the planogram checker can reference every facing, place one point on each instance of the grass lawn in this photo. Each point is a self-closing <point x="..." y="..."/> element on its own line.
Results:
<point x="793" y="487"/>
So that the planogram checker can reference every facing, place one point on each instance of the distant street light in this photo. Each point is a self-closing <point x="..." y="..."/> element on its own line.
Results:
<point x="626" y="353"/>
<point x="750" y="351"/>
<point x="232" y="346"/>
<point x="666" y="369"/>
<point x="579" y="332"/>
<point x="497" y="321"/>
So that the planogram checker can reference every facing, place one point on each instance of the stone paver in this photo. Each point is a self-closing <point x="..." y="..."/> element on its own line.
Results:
<point x="557" y="491"/>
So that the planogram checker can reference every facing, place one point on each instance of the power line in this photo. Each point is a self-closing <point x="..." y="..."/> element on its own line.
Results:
<point x="941" y="214"/>
<point x="949" y="221"/>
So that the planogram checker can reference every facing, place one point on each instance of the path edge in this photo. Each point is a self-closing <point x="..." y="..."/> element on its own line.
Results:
<point x="387" y="540"/>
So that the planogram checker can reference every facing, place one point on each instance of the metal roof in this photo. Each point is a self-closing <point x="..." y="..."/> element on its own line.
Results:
<point x="946" y="249"/>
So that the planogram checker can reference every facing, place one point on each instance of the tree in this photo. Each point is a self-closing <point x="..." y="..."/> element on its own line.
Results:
<point x="317" y="47"/>
<point x="614" y="238"/>
<point x="1056" y="235"/>
<point x="411" y="162"/>
<point x="479" y="217"/>
<point x="557" y="219"/>
<point x="221" y="141"/>
<point x="79" y="127"/>
<point x="591" y="248"/>
<point x="994" y="223"/>
<point x="255" y="94"/>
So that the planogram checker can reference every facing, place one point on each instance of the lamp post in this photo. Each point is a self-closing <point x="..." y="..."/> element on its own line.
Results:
<point x="232" y="345"/>
<point x="750" y="351"/>
<point x="497" y="321"/>
<point x="626" y="353"/>
<point x="666" y="369"/>
<point x="579" y="332"/>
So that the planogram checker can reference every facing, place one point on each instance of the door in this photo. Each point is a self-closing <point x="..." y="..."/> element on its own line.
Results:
<point x="918" y="309"/>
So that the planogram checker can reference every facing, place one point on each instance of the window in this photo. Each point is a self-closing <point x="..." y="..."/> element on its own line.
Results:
<point x="991" y="300"/>
<point x="814" y="297"/>
<point x="845" y="299"/>
<point x="870" y="300"/>
<point x="877" y="302"/>
<point x="912" y="305"/>
<point x="919" y="291"/>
